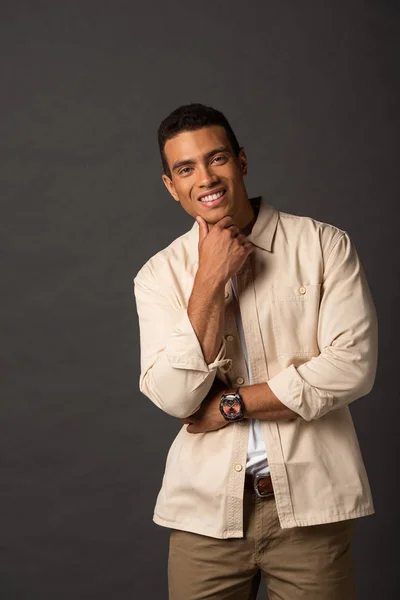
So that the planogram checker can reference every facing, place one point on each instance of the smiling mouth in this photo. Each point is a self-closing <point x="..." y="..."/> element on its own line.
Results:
<point x="213" y="199"/>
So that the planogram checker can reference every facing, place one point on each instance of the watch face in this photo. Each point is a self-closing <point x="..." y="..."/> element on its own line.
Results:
<point x="231" y="407"/>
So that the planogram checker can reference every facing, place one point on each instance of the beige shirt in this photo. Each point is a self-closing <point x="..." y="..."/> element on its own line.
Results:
<point x="311" y="333"/>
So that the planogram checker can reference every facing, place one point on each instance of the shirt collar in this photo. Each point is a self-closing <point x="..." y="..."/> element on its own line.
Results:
<point x="262" y="234"/>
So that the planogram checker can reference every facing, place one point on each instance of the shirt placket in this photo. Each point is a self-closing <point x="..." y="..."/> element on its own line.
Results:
<point x="236" y="377"/>
<point x="259" y="369"/>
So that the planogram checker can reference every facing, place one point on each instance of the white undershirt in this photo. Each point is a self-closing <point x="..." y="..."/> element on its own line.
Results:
<point x="257" y="462"/>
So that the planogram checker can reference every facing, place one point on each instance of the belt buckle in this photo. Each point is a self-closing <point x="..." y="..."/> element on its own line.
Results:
<point x="257" y="491"/>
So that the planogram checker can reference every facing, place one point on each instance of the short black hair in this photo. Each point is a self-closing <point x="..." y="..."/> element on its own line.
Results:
<point x="190" y="117"/>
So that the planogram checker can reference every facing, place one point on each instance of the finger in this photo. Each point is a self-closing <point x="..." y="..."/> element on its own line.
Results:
<point x="203" y="228"/>
<point x="234" y="231"/>
<point x="225" y="222"/>
<point x="248" y="246"/>
<point x="241" y="238"/>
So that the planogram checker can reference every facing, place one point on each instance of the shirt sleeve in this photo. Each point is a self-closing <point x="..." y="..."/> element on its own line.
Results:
<point x="174" y="374"/>
<point x="347" y="337"/>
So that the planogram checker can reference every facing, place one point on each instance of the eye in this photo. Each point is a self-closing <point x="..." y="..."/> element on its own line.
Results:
<point x="220" y="158"/>
<point x="184" y="171"/>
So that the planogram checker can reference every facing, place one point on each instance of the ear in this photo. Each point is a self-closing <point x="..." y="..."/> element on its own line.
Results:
<point x="170" y="186"/>
<point x="242" y="161"/>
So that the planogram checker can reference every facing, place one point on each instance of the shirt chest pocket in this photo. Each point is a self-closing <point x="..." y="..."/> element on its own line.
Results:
<point x="295" y="310"/>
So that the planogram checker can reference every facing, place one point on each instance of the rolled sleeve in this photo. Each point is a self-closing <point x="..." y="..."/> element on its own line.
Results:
<point x="174" y="374"/>
<point x="347" y="336"/>
<point x="184" y="350"/>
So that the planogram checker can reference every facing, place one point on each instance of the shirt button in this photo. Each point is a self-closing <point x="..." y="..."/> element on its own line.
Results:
<point x="302" y="290"/>
<point x="240" y="381"/>
<point x="226" y="294"/>
<point x="229" y="338"/>
<point x="238" y="468"/>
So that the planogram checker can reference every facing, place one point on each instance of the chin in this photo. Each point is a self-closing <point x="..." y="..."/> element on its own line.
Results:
<point x="212" y="220"/>
<point x="219" y="213"/>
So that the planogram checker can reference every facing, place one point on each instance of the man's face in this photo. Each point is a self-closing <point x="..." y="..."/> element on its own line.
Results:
<point x="202" y="163"/>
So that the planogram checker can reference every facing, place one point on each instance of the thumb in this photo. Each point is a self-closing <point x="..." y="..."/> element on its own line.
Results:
<point x="203" y="228"/>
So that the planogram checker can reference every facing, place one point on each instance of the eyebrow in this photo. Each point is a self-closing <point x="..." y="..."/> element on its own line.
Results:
<point x="191" y="161"/>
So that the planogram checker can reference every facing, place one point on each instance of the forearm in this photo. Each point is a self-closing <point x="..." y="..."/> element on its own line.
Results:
<point x="173" y="373"/>
<point x="347" y="335"/>
<point x="261" y="403"/>
<point x="206" y="314"/>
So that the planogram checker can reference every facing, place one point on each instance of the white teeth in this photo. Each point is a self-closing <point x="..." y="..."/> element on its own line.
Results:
<point x="212" y="197"/>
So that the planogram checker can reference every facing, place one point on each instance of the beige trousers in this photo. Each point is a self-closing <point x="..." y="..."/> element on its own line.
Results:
<point x="312" y="563"/>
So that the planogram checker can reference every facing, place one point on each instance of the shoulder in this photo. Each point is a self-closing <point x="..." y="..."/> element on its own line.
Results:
<point x="177" y="255"/>
<point x="307" y="230"/>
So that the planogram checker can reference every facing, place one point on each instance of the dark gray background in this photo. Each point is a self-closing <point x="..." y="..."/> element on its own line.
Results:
<point x="311" y="90"/>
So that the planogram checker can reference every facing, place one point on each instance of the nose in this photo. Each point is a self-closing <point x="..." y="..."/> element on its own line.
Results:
<point x="207" y="177"/>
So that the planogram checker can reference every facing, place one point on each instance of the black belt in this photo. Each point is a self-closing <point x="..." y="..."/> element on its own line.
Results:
<point x="260" y="484"/>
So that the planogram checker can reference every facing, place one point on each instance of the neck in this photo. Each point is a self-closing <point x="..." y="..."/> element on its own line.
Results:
<point x="247" y="229"/>
<point x="250" y="217"/>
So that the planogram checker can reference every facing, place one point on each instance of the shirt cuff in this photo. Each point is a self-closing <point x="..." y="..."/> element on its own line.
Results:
<point x="184" y="351"/>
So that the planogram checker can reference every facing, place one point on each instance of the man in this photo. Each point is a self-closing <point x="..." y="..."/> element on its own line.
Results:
<point x="257" y="329"/>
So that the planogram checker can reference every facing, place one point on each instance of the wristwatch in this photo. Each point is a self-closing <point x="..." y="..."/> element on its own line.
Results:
<point x="231" y="406"/>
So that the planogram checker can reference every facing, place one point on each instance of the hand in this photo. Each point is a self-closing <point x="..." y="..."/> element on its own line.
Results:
<point x="208" y="417"/>
<point x="223" y="250"/>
